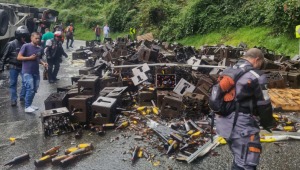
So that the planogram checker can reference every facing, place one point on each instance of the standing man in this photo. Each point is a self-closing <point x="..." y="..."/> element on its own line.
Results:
<point x="106" y="31"/>
<point x="70" y="35"/>
<point x="97" y="33"/>
<point x="250" y="96"/>
<point x="47" y="36"/>
<point x="11" y="53"/>
<point x="30" y="55"/>
<point x="54" y="53"/>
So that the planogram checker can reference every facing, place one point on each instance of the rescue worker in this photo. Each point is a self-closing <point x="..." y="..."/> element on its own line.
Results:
<point x="241" y="130"/>
<point x="54" y="52"/>
<point x="10" y="56"/>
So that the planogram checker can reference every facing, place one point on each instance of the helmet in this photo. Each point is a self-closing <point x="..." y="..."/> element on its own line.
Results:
<point x="22" y="32"/>
<point x="57" y="33"/>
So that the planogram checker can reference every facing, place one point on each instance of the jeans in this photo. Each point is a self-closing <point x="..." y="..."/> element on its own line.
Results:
<point x="72" y="40"/>
<point x="13" y="82"/>
<point x="53" y="68"/>
<point x="32" y="82"/>
<point x="106" y="35"/>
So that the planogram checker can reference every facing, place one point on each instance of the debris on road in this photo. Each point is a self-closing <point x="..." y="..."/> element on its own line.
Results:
<point x="158" y="92"/>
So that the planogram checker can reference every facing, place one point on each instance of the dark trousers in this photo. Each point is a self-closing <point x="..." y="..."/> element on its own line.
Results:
<point x="53" y="68"/>
<point x="98" y="38"/>
<point x="72" y="40"/>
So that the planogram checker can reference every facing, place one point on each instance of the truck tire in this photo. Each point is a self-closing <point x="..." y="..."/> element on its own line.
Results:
<point x="4" y="20"/>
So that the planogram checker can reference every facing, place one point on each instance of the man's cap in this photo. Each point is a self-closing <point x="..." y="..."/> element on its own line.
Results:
<point x="254" y="52"/>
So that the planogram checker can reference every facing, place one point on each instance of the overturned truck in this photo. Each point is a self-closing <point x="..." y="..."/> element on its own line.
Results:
<point x="14" y="15"/>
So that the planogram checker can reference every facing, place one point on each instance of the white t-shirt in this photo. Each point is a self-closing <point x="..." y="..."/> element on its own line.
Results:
<point x="105" y="29"/>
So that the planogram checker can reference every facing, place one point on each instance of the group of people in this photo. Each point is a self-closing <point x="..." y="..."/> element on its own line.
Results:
<point x="67" y="32"/>
<point x="24" y="59"/>
<point x="98" y="32"/>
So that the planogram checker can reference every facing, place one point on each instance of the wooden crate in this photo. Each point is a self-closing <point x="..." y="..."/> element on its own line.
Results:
<point x="286" y="99"/>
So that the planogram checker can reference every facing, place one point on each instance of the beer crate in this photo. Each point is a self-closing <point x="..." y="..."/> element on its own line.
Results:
<point x="56" y="122"/>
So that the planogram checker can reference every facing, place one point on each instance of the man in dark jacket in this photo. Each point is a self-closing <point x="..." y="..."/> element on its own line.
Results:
<point x="10" y="56"/>
<point x="54" y="52"/>
<point x="240" y="128"/>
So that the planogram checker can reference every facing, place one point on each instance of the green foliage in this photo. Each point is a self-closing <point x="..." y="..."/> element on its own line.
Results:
<point x="252" y="36"/>
<point x="175" y="19"/>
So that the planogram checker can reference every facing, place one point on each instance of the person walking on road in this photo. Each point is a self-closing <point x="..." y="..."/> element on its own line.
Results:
<point x="54" y="52"/>
<point x="47" y="36"/>
<point x="250" y="96"/>
<point x="15" y="67"/>
<point x="97" y="33"/>
<point x="70" y="35"/>
<point x="105" y="31"/>
<point x="30" y="55"/>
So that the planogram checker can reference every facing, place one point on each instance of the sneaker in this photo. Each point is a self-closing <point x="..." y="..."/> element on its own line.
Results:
<point x="22" y="99"/>
<point x="29" y="110"/>
<point x="51" y="81"/>
<point x="56" y="79"/>
<point x="34" y="107"/>
<point x="13" y="103"/>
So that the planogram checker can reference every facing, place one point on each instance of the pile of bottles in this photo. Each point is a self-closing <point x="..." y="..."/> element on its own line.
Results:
<point x="57" y="125"/>
<point x="287" y="122"/>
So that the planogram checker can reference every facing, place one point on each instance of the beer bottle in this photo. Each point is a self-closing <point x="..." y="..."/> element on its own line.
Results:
<point x="79" y="151"/>
<point x="155" y="110"/>
<point x="108" y="126"/>
<point x="69" y="150"/>
<point x="56" y="160"/>
<point x="51" y="151"/>
<point x="196" y="135"/>
<point x="44" y="160"/>
<point x="68" y="160"/>
<point x="18" y="159"/>
<point x="123" y="125"/>
<point x="196" y="126"/>
<point x="135" y="154"/>
<point x="172" y="147"/>
<point x="140" y="153"/>
<point x="72" y="158"/>
<point x="89" y="146"/>
<point x="186" y="125"/>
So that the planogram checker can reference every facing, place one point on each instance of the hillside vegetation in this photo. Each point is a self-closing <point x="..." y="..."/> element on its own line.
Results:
<point x="269" y="23"/>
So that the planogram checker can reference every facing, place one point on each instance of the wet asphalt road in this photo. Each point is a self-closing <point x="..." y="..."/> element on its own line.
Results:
<point x="27" y="129"/>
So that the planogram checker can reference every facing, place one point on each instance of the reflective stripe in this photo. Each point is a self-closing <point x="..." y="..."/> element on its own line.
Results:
<point x="242" y="65"/>
<point x="253" y="149"/>
<point x="254" y="73"/>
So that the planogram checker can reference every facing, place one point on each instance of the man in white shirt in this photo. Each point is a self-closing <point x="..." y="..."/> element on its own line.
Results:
<point x="106" y="31"/>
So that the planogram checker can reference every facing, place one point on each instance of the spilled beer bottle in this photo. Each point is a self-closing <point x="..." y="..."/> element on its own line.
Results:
<point x="123" y="125"/>
<point x="69" y="150"/>
<point x="57" y="160"/>
<point x="44" y="160"/>
<point x="51" y="151"/>
<point x="18" y="159"/>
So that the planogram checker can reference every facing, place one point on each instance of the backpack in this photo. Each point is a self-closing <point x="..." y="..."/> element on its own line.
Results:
<point x="222" y="100"/>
